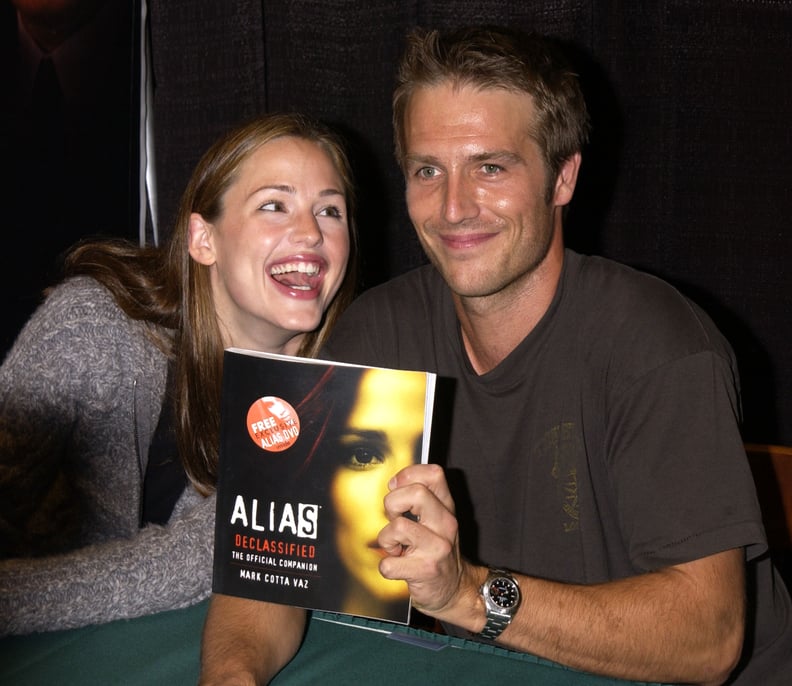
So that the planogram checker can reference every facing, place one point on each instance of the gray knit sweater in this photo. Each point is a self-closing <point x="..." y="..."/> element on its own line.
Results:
<point x="80" y="397"/>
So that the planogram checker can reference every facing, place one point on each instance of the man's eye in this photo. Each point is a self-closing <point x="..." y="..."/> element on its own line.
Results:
<point x="491" y="168"/>
<point x="426" y="172"/>
<point x="363" y="458"/>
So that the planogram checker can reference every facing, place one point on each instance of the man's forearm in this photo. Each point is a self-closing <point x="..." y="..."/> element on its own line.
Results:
<point x="684" y="623"/>
<point x="247" y="642"/>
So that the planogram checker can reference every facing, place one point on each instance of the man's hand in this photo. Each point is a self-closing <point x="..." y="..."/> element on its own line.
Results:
<point x="683" y="623"/>
<point x="422" y="543"/>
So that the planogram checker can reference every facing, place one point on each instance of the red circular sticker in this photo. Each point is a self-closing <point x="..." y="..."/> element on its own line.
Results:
<point x="273" y="424"/>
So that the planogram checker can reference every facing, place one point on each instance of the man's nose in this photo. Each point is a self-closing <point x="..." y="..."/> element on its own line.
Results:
<point x="460" y="201"/>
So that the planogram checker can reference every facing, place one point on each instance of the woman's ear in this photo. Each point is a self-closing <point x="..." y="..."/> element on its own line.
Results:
<point x="201" y="245"/>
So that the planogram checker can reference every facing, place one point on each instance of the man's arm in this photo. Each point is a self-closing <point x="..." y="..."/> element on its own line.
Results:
<point x="247" y="642"/>
<point x="684" y="623"/>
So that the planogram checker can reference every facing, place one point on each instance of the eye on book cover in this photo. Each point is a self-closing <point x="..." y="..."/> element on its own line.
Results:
<point x="307" y="448"/>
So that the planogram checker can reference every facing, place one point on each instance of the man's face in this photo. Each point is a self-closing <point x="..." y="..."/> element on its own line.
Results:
<point x="477" y="187"/>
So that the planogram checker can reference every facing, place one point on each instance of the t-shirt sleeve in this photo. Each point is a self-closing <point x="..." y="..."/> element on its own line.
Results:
<point x="354" y="336"/>
<point x="380" y="327"/>
<point x="680" y="471"/>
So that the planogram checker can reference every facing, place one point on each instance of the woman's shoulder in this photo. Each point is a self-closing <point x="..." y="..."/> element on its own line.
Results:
<point x="80" y="292"/>
<point x="81" y="314"/>
<point x="82" y="300"/>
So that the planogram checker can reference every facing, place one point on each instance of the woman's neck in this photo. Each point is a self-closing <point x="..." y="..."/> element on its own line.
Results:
<point x="280" y="345"/>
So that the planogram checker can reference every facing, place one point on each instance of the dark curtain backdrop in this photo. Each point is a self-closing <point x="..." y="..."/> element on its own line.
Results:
<point x="68" y="142"/>
<point x="687" y="175"/>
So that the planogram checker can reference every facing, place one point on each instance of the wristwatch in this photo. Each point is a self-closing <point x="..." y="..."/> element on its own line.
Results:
<point x="501" y="595"/>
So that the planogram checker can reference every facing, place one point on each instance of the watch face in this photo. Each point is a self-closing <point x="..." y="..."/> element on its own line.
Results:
<point x="503" y="592"/>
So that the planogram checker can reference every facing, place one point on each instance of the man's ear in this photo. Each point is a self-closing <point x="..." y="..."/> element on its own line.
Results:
<point x="200" y="243"/>
<point x="566" y="180"/>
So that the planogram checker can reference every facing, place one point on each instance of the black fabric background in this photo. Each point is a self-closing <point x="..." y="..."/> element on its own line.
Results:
<point x="687" y="175"/>
<point x="70" y="164"/>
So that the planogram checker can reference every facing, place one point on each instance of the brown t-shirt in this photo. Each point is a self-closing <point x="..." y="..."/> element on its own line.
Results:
<point x="605" y="445"/>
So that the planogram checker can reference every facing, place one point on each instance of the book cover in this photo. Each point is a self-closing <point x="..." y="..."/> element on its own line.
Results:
<point x="307" y="448"/>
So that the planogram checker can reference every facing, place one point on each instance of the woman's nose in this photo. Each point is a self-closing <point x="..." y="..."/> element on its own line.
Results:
<point x="306" y="230"/>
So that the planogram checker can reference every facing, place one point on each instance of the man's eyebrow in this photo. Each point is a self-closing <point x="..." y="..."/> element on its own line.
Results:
<point x="497" y="156"/>
<point x="485" y="156"/>
<point x="421" y="159"/>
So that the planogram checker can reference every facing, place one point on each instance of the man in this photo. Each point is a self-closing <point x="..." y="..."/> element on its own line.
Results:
<point x="593" y="450"/>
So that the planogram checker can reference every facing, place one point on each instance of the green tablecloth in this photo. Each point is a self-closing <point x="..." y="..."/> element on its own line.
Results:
<point x="164" y="648"/>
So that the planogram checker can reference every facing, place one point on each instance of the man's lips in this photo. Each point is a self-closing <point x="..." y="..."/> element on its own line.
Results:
<point x="465" y="241"/>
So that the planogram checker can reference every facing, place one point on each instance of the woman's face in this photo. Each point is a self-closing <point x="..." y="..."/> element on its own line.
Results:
<point x="375" y="444"/>
<point x="279" y="251"/>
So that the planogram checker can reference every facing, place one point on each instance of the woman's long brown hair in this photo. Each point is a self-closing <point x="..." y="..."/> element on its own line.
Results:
<point x="167" y="289"/>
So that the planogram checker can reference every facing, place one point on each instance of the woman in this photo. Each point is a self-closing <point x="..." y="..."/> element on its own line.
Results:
<point x="374" y="444"/>
<point x="101" y="517"/>
<point x="363" y="426"/>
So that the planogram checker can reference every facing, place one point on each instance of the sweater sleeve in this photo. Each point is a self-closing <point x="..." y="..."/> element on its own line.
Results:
<point x="45" y="388"/>
<point x="70" y="474"/>
<point x="160" y="568"/>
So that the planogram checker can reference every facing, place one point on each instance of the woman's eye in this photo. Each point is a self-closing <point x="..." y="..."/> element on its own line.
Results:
<point x="331" y="211"/>
<point x="363" y="458"/>
<point x="272" y="206"/>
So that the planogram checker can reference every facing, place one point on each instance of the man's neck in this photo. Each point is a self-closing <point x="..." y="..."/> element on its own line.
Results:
<point x="494" y="326"/>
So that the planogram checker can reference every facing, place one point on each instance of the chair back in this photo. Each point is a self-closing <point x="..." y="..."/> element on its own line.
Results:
<point x="772" y="471"/>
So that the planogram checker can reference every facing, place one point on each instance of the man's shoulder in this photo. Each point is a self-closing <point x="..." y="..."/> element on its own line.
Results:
<point x="411" y="284"/>
<point x="617" y="276"/>
<point x="380" y="326"/>
<point x="412" y="294"/>
<point x="628" y="291"/>
<point x="617" y="302"/>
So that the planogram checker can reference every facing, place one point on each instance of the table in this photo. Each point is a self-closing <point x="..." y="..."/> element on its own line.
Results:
<point x="164" y="649"/>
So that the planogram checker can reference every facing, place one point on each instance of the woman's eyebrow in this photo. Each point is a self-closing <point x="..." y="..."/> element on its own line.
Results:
<point x="286" y="188"/>
<point x="282" y="187"/>
<point x="367" y="434"/>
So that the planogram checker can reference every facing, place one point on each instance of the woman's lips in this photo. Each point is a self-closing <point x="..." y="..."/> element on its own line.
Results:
<point x="299" y="275"/>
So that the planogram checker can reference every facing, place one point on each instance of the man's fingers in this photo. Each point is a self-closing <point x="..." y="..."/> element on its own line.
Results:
<point x="431" y="476"/>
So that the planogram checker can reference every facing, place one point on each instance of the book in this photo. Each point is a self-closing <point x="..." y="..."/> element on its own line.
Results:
<point x="307" y="448"/>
